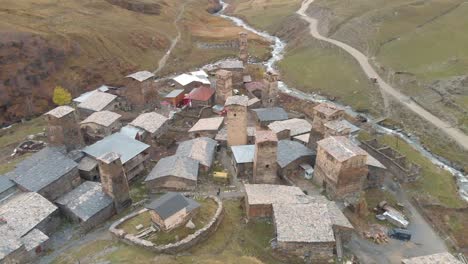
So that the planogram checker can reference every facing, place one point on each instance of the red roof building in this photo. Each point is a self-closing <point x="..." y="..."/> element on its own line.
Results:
<point x="201" y="96"/>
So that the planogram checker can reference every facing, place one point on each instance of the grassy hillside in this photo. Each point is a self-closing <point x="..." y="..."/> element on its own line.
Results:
<point x="81" y="44"/>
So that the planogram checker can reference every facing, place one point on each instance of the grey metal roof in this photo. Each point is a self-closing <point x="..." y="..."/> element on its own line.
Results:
<point x="178" y="166"/>
<point x="119" y="143"/>
<point x="201" y="149"/>
<point x="174" y="93"/>
<point x="41" y="169"/>
<point x="289" y="151"/>
<point x="171" y="203"/>
<point x="131" y="131"/>
<point x="243" y="153"/>
<point x="5" y="184"/>
<point x="86" y="200"/>
<point x="271" y="114"/>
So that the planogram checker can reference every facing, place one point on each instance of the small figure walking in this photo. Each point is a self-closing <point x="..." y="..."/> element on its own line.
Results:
<point x="218" y="192"/>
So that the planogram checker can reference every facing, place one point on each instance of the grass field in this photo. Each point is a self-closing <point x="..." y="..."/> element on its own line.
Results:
<point x="233" y="242"/>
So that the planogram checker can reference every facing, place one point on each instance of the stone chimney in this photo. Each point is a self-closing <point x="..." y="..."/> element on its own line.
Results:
<point x="113" y="179"/>
<point x="265" y="165"/>
<point x="270" y="93"/>
<point x="63" y="128"/>
<point x="223" y="86"/>
<point x="236" y="107"/>
<point x="243" y="48"/>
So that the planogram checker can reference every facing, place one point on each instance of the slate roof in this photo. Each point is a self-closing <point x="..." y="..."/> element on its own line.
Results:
<point x="87" y="164"/>
<point x="341" y="125"/>
<point x="86" y="200"/>
<point x="42" y="169"/>
<point x="121" y="144"/>
<point x="207" y="124"/>
<point x="371" y="161"/>
<point x="201" y="93"/>
<point x="60" y="111"/>
<point x="174" y="93"/>
<point x="289" y="151"/>
<point x="141" y="76"/>
<point x="231" y="64"/>
<point x="150" y="122"/>
<point x="179" y="166"/>
<point x="271" y="114"/>
<point x="201" y="149"/>
<point x="265" y="136"/>
<point x="34" y="239"/>
<point x="341" y="148"/>
<point x="296" y="126"/>
<point x="438" y="258"/>
<point x="103" y="118"/>
<point x="328" y="109"/>
<point x="252" y="86"/>
<point x="222" y="133"/>
<point x="237" y="100"/>
<point x="303" y="138"/>
<point x="243" y="153"/>
<point x="97" y="101"/>
<point x="171" y="203"/>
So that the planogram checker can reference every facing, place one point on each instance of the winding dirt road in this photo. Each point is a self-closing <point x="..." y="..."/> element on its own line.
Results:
<point x="454" y="133"/>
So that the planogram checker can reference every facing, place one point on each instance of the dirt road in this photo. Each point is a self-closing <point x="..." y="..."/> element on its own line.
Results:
<point x="454" y="133"/>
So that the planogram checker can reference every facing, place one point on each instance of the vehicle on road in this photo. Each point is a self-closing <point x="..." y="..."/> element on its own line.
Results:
<point x="400" y="234"/>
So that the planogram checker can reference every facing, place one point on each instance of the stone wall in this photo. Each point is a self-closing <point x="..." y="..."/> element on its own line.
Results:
<point x="396" y="163"/>
<point x="318" y="252"/>
<point x="184" y="244"/>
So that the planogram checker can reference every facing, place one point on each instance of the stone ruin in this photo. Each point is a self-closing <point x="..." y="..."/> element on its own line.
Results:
<point x="397" y="163"/>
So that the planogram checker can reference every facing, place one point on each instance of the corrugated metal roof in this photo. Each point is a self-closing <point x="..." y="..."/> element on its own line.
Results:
<point x="271" y="114"/>
<point x="118" y="143"/>
<point x="5" y="183"/>
<point x="171" y="203"/>
<point x="243" y="153"/>
<point x="178" y="166"/>
<point x="174" y="93"/>
<point x="185" y="79"/>
<point x="141" y="76"/>
<point x="201" y="93"/>
<point x="289" y="151"/>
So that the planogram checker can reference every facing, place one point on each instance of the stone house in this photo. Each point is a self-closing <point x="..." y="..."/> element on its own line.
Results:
<point x="206" y="127"/>
<point x="99" y="125"/>
<point x="236" y="67"/>
<point x="153" y="124"/>
<point x="340" y="167"/>
<point x="173" y="173"/>
<point x="242" y="160"/>
<point x="201" y="149"/>
<point x="88" y="169"/>
<point x="172" y="210"/>
<point x="377" y="173"/>
<point x="133" y="153"/>
<point x="255" y="89"/>
<point x="99" y="101"/>
<point x="27" y="221"/>
<point x="87" y="205"/>
<point x="291" y="155"/>
<point x="265" y="164"/>
<point x="323" y="113"/>
<point x="290" y="128"/>
<point x="340" y="128"/>
<point x="48" y="172"/>
<point x="175" y="97"/>
<point x="201" y="96"/>
<point x="63" y="128"/>
<point x="265" y="116"/>
<point x="140" y="90"/>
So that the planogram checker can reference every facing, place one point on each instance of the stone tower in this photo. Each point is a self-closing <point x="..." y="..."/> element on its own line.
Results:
<point x="243" y="48"/>
<point x="223" y="86"/>
<point x="270" y="93"/>
<point x="236" y="107"/>
<point x="265" y="165"/>
<point x="63" y="128"/>
<point x="113" y="179"/>
<point x="323" y="113"/>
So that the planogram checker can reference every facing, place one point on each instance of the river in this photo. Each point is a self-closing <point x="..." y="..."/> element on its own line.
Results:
<point x="278" y="49"/>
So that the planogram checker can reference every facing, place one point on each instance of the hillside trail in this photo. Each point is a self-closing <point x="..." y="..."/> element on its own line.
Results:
<point x="163" y="60"/>
<point x="454" y="133"/>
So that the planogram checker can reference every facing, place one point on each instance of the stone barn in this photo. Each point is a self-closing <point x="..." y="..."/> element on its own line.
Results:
<point x="201" y="149"/>
<point x="99" y="125"/>
<point x="323" y="113"/>
<point x="133" y="153"/>
<point x="265" y="116"/>
<point x="88" y="168"/>
<point x="259" y="198"/>
<point x="291" y="155"/>
<point x="377" y="173"/>
<point x="236" y="67"/>
<point x="99" y="101"/>
<point x="206" y="127"/>
<point x="63" y="128"/>
<point x="242" y="160"/>
<point x="173" y="173"/>
<point x="340" y="167"/>
<point x="153" y="124"/>
<point x="87" y="205"/>
<point x="27" y="221"/>
<point x="201" y="96"/>
<point x="172" y="210"/>
<point x="48" y="172"/>
<point x="340" y="128"/>
<point x="290" y="128"/>
<point x="265" y="164"/>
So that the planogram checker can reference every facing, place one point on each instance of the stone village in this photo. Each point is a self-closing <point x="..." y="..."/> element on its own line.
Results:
<point x="198" y="139"/>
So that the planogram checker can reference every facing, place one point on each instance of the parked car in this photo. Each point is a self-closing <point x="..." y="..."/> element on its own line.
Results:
<point x="400" y="234"/>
